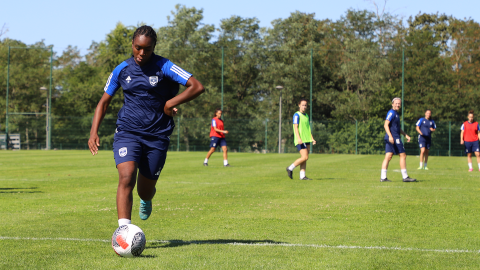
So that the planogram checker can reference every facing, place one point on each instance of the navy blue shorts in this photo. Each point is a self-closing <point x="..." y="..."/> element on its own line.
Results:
<point x="302" y="146"/>
<point x="395" y="148"/>
<point x="471" y="147"/>
<point x="216" y="141"/>
<point x="424" y="142"/>
<point x="148" y="152"/>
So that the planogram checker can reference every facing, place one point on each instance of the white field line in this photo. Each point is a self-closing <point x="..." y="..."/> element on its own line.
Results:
<point x="252" y="244"/>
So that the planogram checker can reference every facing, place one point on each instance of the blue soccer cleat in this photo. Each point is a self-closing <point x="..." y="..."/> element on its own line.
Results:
<point x="145" y="209"/>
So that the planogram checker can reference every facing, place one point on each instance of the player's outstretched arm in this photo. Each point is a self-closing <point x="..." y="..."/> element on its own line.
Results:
<point x="94" y="141"/>
<point x="194" y="89"/>
<point x="461" y="137"/>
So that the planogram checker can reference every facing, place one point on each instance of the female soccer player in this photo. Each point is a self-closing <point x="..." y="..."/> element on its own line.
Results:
<point x="393" y="144"/>
<point x="425" y="127"/>
<point x="144" y="124"/>
<point x="302" y="138"/>
<point x="469" y="136"/>
<point x="217" y="137"/>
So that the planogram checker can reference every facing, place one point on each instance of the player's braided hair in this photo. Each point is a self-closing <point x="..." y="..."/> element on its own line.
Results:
<point x="147" y="31"/>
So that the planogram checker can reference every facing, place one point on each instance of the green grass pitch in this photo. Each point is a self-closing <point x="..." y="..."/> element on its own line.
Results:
<point x="58" y="212"/>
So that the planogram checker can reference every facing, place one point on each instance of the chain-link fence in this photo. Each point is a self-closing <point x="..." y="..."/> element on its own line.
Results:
<point x="245" y="135"/>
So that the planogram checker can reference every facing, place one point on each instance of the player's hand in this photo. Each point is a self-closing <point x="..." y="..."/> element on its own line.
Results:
<point x="390" y="139"/>
<point x="314" y="142"/>
<point x="300" y="141"/>
<point x="225" y="132"/>
<point x="169" y="111"/>
<point x="175" y="111"/>
<point x="461" y="141"/>
<point x="93" y="144"/>
<point x="432" y="129"/>
<point x="408" y="138"/>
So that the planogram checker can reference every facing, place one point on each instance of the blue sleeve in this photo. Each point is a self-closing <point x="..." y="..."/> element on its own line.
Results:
<point x="214" y="124"/>
<point x="174" y="72"/>
<point x="462" y="128"/>
<point x="434" y="125"/>
<point x="419" y="122"/>
<point x="296" y="119"/>
<point x="113" y="84"/>
<point x="390" y="115"/>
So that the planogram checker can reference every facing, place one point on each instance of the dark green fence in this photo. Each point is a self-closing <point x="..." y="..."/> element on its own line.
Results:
<point x="245" y="135"/>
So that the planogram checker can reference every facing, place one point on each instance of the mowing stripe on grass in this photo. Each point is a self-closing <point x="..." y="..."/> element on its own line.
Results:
<point x="226" y="242"/>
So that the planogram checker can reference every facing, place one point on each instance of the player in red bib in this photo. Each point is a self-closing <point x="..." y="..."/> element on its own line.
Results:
<point x="469" y="137"/>
<point x="217" y="137"/>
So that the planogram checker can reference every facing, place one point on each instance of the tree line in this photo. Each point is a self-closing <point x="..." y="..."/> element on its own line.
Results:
<point x="353" y="65"/>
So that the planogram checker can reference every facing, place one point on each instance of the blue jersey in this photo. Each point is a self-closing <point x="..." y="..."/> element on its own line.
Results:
<point x="425" y="126"/>
<point x="394" y="124"/>
<point x="146" y="89"/>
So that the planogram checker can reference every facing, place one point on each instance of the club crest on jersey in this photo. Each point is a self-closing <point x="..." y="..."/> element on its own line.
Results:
<point x="128" y="79"/>
<point x="122" y="151"/>
<point x="153" y="80"/>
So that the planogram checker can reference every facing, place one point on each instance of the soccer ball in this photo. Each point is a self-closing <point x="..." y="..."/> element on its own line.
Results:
<point x="128" y="241"/>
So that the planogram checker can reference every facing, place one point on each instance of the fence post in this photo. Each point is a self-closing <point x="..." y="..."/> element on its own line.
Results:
<point x="178" y="135"/>
<point x="223" y="52"/>
<point x="6" y="109"/>
<point x="403" y="85"/>
<point x="356" y="137"/>
<point x="49" y="115"/>
<point x="449" y="138"/>
<point x="266" y="133"/>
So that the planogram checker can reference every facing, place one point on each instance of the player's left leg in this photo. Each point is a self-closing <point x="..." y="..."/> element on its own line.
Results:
<point x="478" y="159"/>
<point x="303" y="165"/>
<point x="403" y="168"/>
<point x="422" y="156"/>
<point x="223" y="144"/>
<point x="427" y="151"/>
<point x="225" y="156"/>
<point x="302" y="148"/>
<point x="146" y="190"/>
<point x="150" y="166"/>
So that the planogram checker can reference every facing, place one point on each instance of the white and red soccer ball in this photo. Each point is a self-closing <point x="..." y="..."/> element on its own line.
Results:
<point x="128" y="241"/>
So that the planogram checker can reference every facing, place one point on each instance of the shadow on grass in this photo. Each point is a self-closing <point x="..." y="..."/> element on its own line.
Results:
<point x="178" y="243"/>
<point x="19" y="190"/>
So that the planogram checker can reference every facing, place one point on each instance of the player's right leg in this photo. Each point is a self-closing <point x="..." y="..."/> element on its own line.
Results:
<point x="386" y="161"/>
<point x="127" y="174"/>
<point x="213" y="146"/>
<point x="127" y="151"/>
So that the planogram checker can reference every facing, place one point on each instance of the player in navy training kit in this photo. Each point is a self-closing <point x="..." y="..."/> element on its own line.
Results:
<point x="393" y="144"/>
<point x="425" y="127"/>
<point x="150" y="84"/>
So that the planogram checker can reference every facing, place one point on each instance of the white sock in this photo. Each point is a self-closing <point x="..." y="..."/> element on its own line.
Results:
<point x="426" y="165"/>
<point x="383" y="175"/>
<point x="291" y="167"/>
<point x="302" y="174"/>
<point x="124" y="221"/>
<point x="479" y="166"/>
<point x="404" y="173"/>
<point x="225" y="162"/>
<point x="206" y="160"/>
<point x="470" y="165"/>
<point x="421" y="164"/>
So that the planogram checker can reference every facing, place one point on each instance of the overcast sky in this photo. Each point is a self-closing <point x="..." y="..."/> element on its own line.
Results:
<point x="63" y="23"/>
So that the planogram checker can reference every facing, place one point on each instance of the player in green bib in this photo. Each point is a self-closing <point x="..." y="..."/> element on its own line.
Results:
<point x="303" y="138"/>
